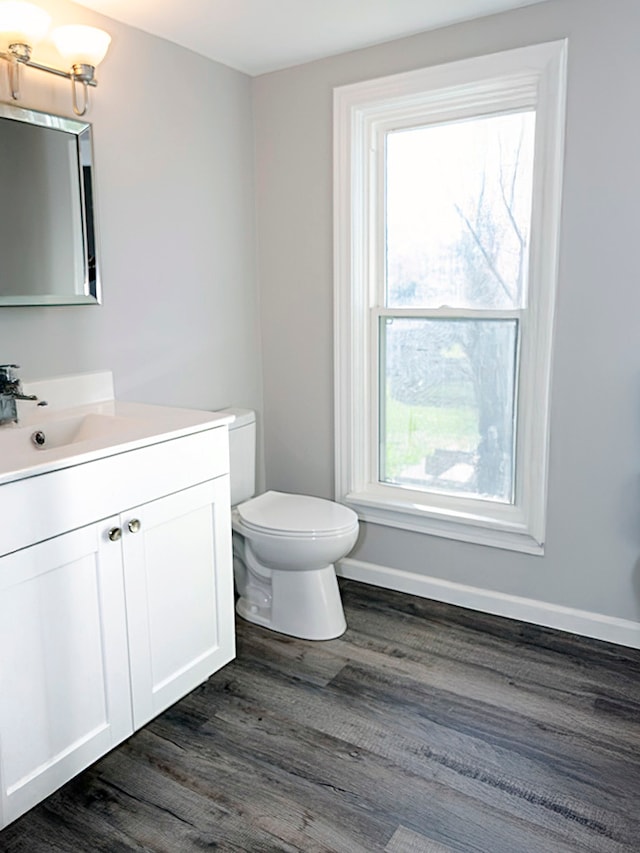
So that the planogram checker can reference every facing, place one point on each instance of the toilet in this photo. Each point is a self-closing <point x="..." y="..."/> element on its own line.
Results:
<point x="284" y="548"/>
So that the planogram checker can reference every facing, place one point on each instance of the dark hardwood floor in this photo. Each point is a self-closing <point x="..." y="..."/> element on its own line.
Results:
<point x="424" y="728"/>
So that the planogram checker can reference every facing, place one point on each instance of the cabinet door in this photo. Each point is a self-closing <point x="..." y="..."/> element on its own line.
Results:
<point x="179" y="588"/>
<point x="64" y="678"/>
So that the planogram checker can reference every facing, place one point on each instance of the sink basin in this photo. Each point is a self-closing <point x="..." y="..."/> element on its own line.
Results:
<point x="54" y="433"/>
<point x="58" y="433"/>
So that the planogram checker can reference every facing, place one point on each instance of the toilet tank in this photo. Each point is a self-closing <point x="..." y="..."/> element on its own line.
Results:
<point x="242" y="454"/>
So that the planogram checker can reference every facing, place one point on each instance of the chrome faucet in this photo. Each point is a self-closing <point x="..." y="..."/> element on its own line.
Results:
<point x="10" y="392"/>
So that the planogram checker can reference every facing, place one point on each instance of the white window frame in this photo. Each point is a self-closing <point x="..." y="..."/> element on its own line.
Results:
<point x="530" y="77"/>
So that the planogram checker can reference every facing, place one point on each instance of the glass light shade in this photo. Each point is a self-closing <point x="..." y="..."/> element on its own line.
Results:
<point x="81" y="45"/>
<point x="22" y="23"/>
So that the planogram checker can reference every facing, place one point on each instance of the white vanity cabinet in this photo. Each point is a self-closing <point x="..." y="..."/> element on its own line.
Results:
<point x="64" y="671"/>
<point x="178" y="588"/>
<point x="115" y="602"/>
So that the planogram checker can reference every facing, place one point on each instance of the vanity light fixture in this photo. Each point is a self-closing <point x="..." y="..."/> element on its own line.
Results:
<point x="23" y="25"/>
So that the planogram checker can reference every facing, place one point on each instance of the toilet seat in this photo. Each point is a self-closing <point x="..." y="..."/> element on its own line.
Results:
<point x="299" y="516"/>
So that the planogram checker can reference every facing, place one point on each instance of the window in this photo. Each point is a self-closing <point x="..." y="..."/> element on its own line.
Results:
<point x="447" y="196"/>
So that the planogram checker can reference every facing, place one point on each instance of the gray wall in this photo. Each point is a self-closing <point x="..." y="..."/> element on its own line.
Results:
<point x="593" y="532"/>
<point x="173" y="144"/>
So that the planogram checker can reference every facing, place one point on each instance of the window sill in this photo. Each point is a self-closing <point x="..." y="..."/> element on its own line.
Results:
<point x="510" y="532"/>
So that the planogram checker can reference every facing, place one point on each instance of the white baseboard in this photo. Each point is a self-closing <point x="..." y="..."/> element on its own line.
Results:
<point x="609" y="628"/>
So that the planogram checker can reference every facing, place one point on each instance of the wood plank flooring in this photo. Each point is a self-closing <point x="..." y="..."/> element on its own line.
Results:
<point x="424" y="729"/>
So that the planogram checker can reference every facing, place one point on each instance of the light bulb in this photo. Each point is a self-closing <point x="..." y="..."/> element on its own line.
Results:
<point x="22" y="23"/>
<point x="81" y="45"/>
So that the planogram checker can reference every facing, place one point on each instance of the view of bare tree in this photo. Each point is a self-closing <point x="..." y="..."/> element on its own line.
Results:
<point x="468" y="362"/>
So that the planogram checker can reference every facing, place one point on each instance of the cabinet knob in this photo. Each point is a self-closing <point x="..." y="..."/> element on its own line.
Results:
<point x="134" y="525"/>
<point x="115" y="533"/>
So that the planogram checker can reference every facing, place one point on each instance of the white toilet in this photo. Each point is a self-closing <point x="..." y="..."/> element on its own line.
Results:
<point x="284" y="548"/>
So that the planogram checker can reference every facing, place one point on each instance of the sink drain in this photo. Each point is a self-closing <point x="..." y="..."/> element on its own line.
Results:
<point x="39" y="438"/>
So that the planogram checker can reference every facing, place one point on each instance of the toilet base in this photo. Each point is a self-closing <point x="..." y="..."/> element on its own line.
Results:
<point x="303" y="604"/>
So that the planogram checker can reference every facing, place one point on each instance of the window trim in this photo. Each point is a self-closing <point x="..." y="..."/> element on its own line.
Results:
<point x="533" y="76"/>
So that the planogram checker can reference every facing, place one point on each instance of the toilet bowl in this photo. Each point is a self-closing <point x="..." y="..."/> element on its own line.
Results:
<point x="284" y="549"/>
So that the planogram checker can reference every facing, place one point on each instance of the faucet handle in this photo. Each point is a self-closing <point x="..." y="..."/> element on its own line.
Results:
<point x="9" y="382"/>
<point x="6" y="371"/>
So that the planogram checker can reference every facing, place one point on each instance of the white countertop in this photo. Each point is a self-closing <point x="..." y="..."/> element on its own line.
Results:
<point x="83" y="433"/>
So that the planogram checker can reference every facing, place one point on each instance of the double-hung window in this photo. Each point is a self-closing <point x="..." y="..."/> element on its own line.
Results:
<point x="447" y="200"/>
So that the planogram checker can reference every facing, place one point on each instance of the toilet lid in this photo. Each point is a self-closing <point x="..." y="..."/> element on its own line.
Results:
<point x="279" y="512"/>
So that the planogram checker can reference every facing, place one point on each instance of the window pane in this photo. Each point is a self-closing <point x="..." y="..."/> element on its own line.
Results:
<point x="447" y="391"/>
<point x="458" y="210"/>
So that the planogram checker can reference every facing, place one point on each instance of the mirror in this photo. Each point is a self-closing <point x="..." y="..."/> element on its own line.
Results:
<point x="47" y="223"/>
